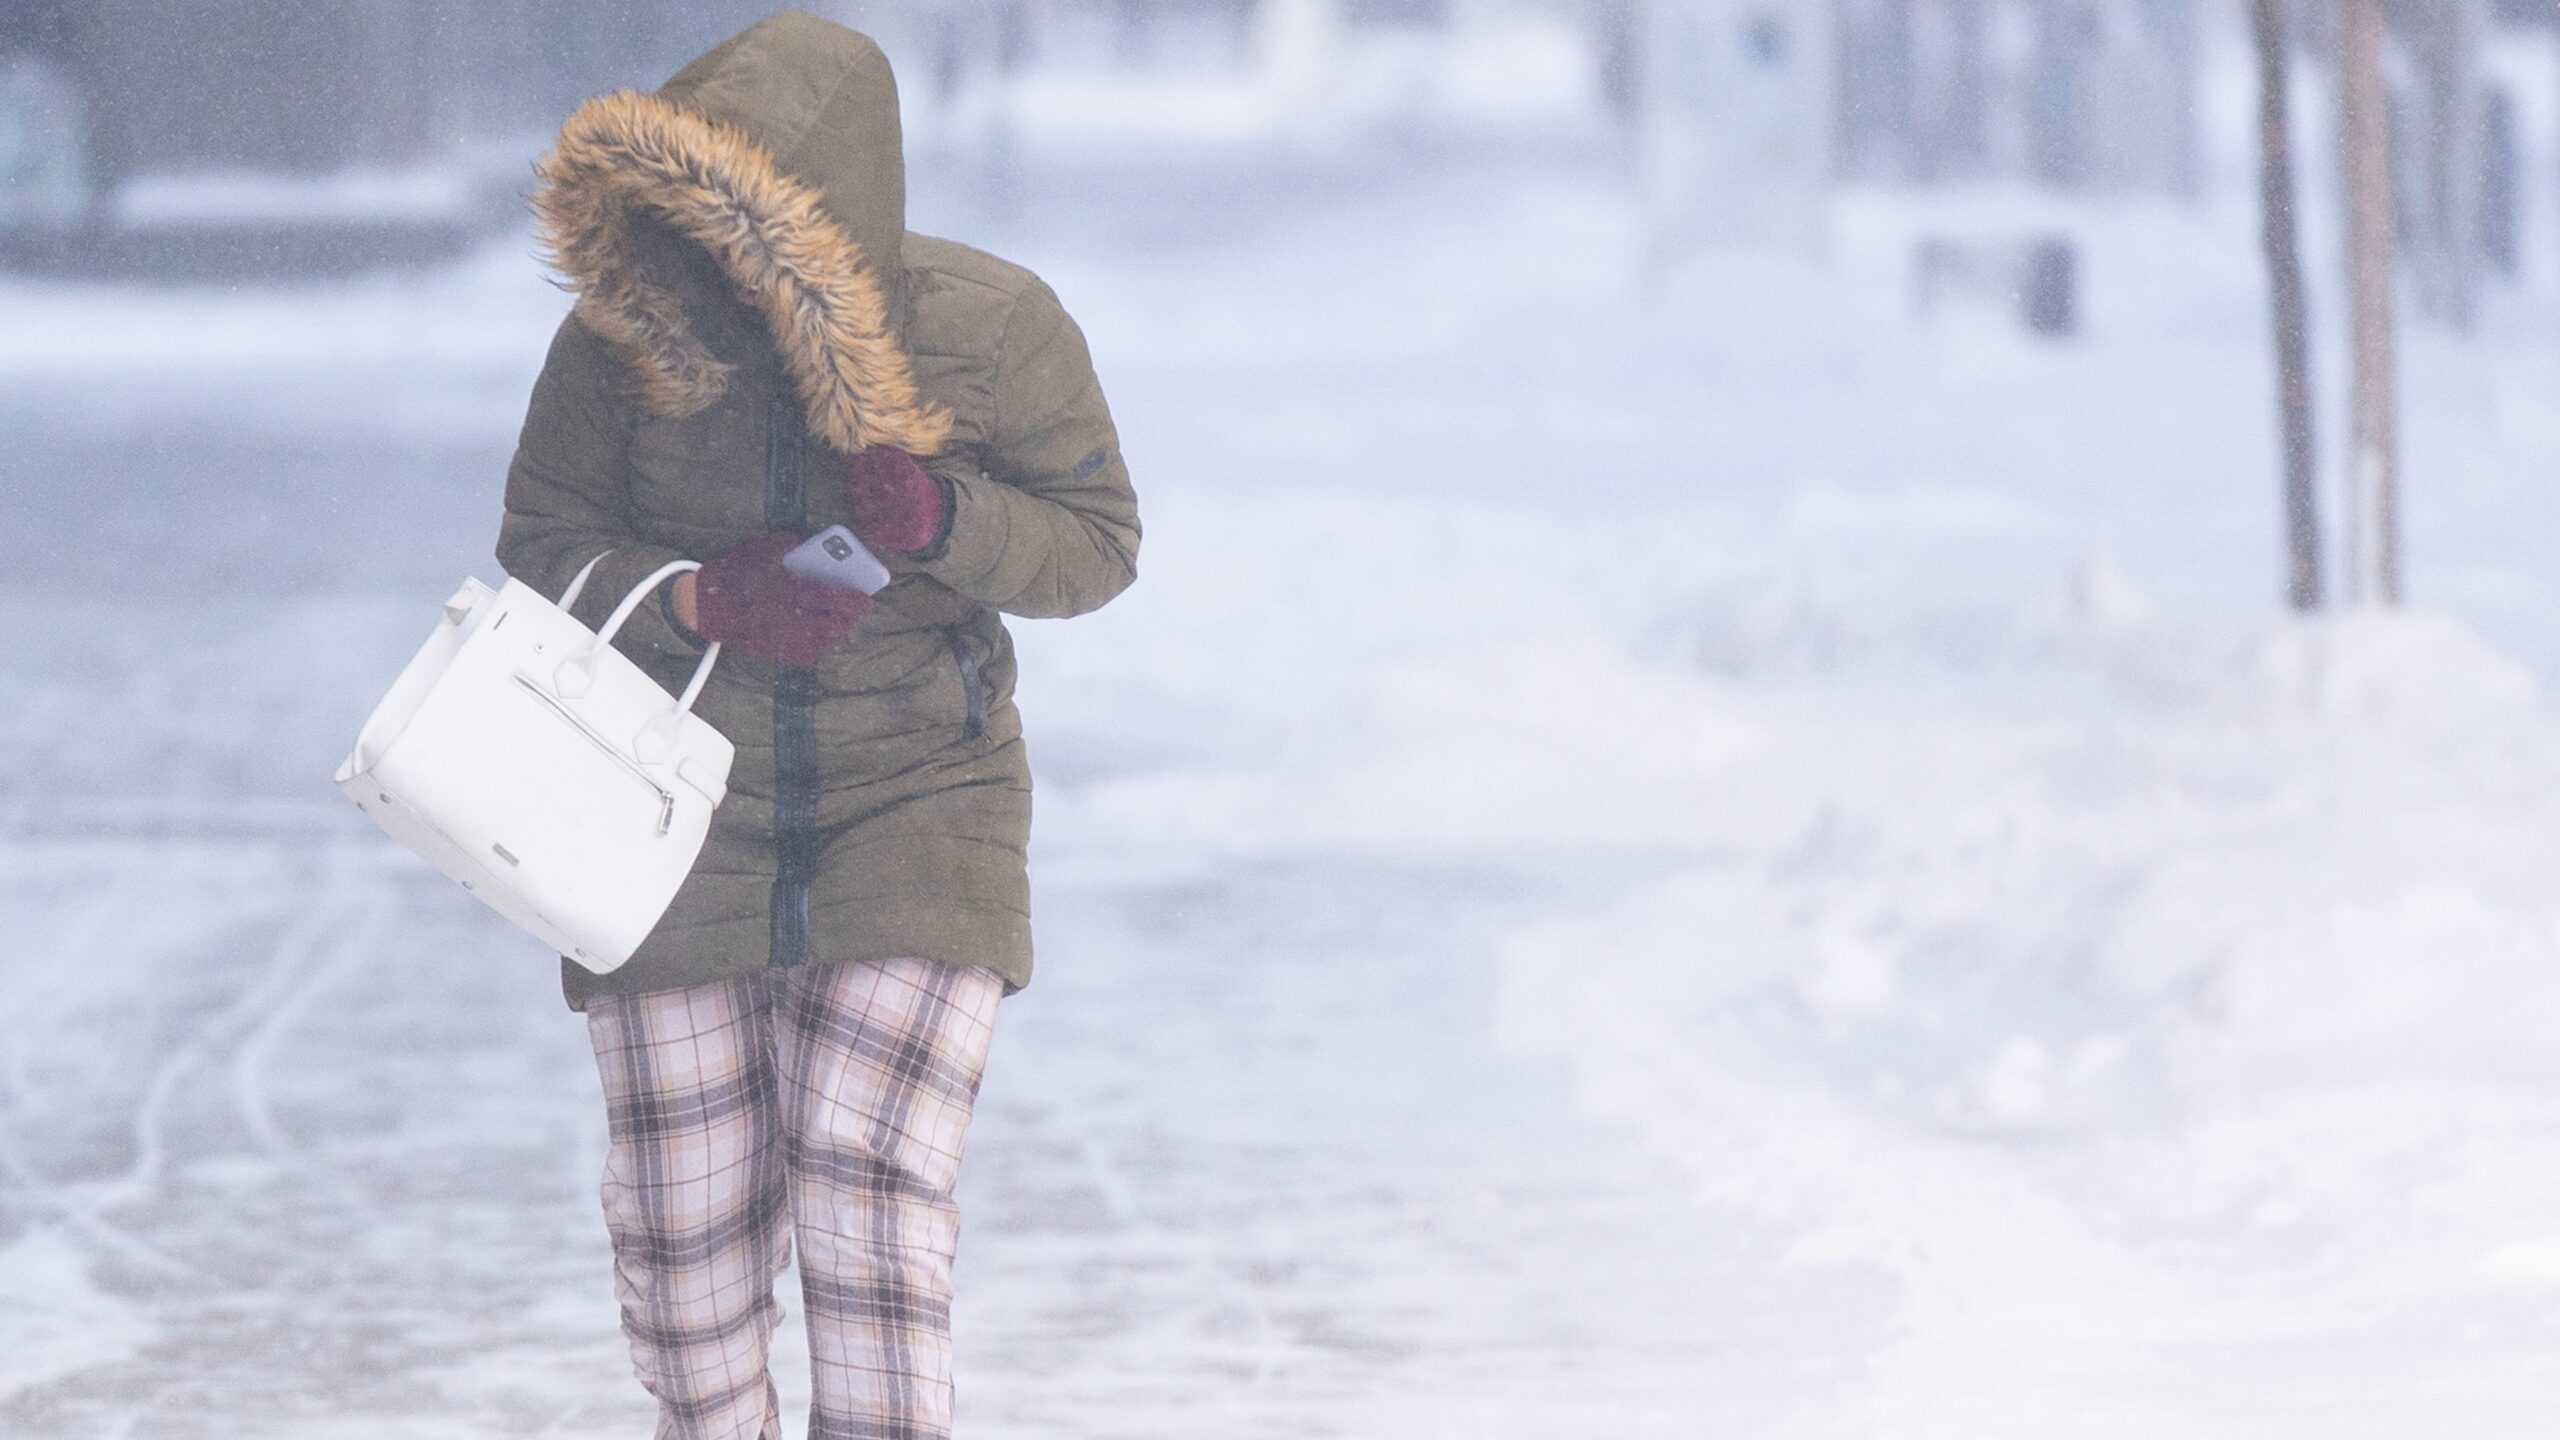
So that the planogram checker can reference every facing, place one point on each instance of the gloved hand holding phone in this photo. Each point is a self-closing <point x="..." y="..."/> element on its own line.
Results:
<point x="747" y="598"/>
<point x="793" y="598"/>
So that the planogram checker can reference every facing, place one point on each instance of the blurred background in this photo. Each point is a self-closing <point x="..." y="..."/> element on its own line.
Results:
<point x="1837" y="721"/>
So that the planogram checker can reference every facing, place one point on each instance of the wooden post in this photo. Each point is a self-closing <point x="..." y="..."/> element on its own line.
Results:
<point x="2373" y="525"/>
<point x="2281" y="238"/>
<point x="2175" y="32"/>
<point x="2058" y="95"/>
<point x="2444" y="151"/>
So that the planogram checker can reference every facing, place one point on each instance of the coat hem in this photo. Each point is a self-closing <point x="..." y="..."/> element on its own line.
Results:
<point x="1000" y="941"/>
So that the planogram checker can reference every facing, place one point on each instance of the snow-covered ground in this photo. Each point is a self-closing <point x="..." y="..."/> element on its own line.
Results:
<point x="1654" y="854"/>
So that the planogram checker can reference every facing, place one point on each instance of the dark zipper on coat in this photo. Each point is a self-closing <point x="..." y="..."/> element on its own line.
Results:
<point x="795" y="712"/>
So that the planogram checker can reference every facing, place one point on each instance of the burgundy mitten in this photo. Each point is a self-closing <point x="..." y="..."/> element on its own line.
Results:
<point x="896" y="506"/>
<point x="743" y="597"/>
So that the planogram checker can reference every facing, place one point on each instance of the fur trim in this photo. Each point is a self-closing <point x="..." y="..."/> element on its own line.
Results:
<point x="628" y="152"/>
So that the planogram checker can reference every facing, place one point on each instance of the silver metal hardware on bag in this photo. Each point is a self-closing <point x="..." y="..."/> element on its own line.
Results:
<point x="666" y="797"/>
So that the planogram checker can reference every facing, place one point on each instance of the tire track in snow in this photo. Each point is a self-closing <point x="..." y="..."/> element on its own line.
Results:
<point x="343" y="912"/>
<point x="105" y="912"/>
<point x="309" y="947"/>
<point x="348" y="919"/>
<point x="56" y="1198"/>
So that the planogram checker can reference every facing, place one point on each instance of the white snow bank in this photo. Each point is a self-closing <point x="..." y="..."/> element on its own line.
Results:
<point x="2168" y="1011"/>
<point x="1304" y="87"/>
<point x="492" y="312"/>
<point x="258" y="197"/>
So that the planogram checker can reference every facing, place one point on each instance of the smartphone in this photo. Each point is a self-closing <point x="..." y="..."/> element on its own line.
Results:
<point x="834" y="557"/>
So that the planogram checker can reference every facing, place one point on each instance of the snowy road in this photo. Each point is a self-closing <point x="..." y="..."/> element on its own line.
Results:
<point x="308" y="1148"/>
<point x="1811" y="743"/>
<point x="295" y="1141"/>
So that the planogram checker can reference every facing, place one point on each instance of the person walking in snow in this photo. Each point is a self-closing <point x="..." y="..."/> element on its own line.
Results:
<point x="759" y="349"/>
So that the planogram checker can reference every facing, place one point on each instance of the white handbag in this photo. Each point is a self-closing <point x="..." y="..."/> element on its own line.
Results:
<point x="524" y="756"/>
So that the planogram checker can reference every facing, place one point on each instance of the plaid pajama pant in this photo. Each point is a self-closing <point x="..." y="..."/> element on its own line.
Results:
<point x="825" y="1104"/>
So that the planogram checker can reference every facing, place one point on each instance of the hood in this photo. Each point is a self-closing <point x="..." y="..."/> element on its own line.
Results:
<point x="778" y="154"/>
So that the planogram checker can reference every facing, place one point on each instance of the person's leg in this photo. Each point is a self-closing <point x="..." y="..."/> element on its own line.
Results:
<point x="880" y="1066"/>
<point x="694" y="1194"/>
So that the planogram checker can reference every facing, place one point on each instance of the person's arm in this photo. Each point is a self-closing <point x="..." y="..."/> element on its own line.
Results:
<point x="1052" y="528"/>
<point x="568" y="499"/>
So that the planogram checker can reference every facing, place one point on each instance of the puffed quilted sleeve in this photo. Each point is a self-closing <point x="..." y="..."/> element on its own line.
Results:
<point x="1052" y="528"/>
<point x="568" y="496"/>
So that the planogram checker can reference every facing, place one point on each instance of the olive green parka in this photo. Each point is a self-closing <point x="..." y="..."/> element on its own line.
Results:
<point x="751" y="309"/>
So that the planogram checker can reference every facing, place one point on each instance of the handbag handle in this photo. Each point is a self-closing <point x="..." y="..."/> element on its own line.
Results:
<point x="578" y="582"/>
<point x="584" y="666"/>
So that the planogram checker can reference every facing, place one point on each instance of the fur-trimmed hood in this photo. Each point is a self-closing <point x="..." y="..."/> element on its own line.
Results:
<point x="779" y="154"/>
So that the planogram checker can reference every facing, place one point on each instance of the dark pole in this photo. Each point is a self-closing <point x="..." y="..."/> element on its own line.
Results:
<point x="2057" y="145"/>
<point x="2280" y="236"/>
<point x="2364" y="130"/>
